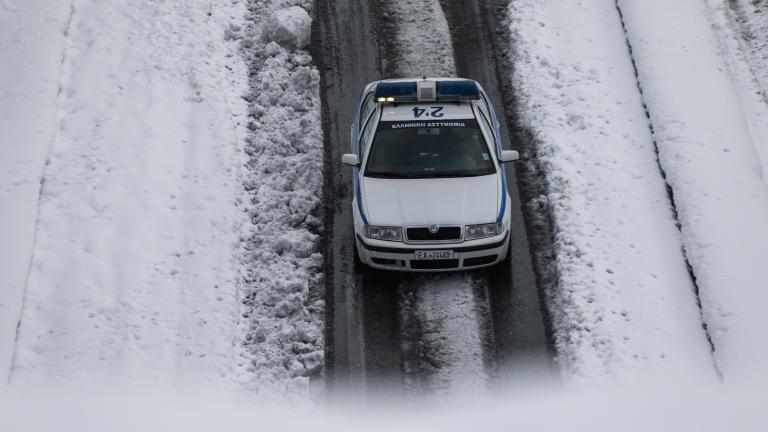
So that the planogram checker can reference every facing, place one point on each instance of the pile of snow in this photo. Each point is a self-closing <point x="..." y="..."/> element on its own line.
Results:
<point x="282" y="291"/>
<point x="291" y="28"/>
<point x="712" y="160"/>
<point x="622" y="303"/>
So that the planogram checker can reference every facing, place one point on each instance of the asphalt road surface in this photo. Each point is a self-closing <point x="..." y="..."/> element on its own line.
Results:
<point x="367" y="333"/>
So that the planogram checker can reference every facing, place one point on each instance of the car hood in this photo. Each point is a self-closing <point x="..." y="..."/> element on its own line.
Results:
<point x="460" y="201"/>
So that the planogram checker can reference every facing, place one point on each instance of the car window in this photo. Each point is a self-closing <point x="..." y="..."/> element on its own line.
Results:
<point x="485" y="108"/>
<point x="421" y="149"/>
<point x="489" y="129"/>
<point x="367" y="107"/>
<point x="365" y="137"/>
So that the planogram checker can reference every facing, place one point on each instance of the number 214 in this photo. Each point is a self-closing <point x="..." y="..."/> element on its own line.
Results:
<point x="437" y="111"/>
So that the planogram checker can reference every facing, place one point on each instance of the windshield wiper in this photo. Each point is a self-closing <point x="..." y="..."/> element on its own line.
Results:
<point x="458" y="174"/>
<point x="388" y="174"/>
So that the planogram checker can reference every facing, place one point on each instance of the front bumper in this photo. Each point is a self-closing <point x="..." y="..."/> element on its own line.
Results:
<point x="398" y="256"/>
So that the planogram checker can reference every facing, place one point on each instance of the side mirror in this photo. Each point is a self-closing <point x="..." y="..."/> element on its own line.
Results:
<point x="509" y="155"/>
<point x="350" y="159"/>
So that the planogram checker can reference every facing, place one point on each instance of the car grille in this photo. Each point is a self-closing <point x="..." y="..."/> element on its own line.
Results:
<point x="434" y="264"/>
<point x="442" y="234"/>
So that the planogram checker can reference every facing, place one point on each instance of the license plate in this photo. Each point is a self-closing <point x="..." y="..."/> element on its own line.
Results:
<point x="434" y="254"/>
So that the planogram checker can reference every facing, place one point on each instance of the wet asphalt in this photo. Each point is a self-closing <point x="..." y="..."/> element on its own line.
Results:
<point x="365" y="350"/>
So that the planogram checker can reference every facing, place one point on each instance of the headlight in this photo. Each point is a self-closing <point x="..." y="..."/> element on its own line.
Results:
<point x="389" y="233"/>
<point x="482" y="231"/>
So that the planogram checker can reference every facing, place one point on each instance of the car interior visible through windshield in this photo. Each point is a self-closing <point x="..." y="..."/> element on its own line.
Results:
<point x="419" y="149"/>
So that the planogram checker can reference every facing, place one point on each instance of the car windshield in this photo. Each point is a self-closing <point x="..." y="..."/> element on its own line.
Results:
<point x="427" y="149"/>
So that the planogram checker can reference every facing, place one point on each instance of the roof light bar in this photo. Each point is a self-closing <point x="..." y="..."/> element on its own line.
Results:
<point x="457" y="90"/>
<point x="411" y="91"/>
<point x="401" y="91"/>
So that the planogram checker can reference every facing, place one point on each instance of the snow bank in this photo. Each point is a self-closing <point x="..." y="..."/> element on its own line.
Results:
<point x="282" y="266"/>
<point x="712" y="165"/>
<point x="31" y="49"/>
<point x="133" y="276"/>
<point x="622" y="303"/>
<point x="291" y="28"/>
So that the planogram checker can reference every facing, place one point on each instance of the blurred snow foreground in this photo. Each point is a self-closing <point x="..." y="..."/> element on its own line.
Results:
<point x="673" y="409"/>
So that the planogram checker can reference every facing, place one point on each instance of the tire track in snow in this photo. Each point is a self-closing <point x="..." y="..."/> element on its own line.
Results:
<point x="448" y="346"/>
<point x="520" y="323"/>
<point x="670" y="192"/>
<point x="445" y="331"/>
<point x="349" y="58"/>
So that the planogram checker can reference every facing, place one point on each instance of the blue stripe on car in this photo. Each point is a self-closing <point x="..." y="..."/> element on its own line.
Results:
<point x="503" y="207"/>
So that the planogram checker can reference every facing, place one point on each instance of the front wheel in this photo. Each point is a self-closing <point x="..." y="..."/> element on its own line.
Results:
<point x="359" y="265"/>
<point x="508" y="258"/>
<point x="356" y="254"/>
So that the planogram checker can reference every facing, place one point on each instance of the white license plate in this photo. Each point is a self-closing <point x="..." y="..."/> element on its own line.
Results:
<point x="434" y="254"/>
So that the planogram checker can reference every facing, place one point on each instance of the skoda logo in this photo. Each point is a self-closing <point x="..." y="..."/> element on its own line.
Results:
<point x="434" y="228"/>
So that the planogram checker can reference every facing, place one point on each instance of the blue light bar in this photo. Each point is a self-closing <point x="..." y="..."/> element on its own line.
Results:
<point x="403" y="91"/>
<point x="457" y="90"/>
<point x="445" y="91"/>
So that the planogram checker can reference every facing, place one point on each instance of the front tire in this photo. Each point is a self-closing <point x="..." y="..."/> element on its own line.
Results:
<point x="356" y="254"/>
<point x="359" y="265"/>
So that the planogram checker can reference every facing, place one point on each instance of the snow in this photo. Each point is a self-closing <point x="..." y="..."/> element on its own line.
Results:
<point x="133" y="275"/>
<point x="28" y="114"/>
<point x="282" y="264"/>
<point x="422" y="39"/>
<point x="291" y="28"/>
<point x="749" y="20"/>
<point x="707" y="149"/>
<point x="448" y="317"/>
<point x="174" y="244"/>
<point x="623" y="305"/>
<point x="736" y="25"/>
<point x="637" y="409"/>
<point x="161" y="177"/>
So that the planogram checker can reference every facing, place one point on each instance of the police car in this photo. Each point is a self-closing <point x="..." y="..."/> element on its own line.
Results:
<point x="430" y="190"/>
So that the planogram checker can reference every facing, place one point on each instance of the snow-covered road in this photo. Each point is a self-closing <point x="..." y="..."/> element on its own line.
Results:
<point x="133" y="276"/>
<point x="32" y="45"/>
<point x="161" y="191"/>
<point x="711" y="153"/>
<point x="623" y="304"/>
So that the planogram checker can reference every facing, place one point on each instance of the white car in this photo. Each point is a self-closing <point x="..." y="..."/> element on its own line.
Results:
<point x="430" y="191"/>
